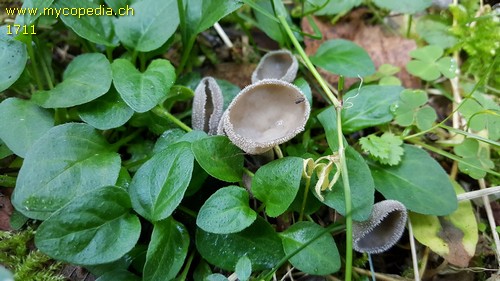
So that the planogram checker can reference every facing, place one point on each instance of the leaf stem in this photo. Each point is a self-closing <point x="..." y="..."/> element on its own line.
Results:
<point x="115" y="146"/>
<point x="185" y="272"/>
<point x="304" y="200"/>
<point x="162" y="112"/>
<point x="188" y="211"/>
<point x="34" y="68"/>
<point x="185" y="54"/>
<point x="331" y="228"/>
<point x="408" y="29"/>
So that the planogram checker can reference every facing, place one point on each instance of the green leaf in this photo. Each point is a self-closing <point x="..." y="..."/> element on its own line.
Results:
<point x="276" y="184"/>
<point x="5" y="274"/>
<point x="343" y="57"/>
<point x="386" y="149"/>
<point x="86" y="78"/>
<point x="107" y="112"/>
<point x="272" y="28"/>
<point x="362" y="188"/>
<point x="13" y="57"/>
<point x="226" y="211"/>
<point x="410" y="183"/>
<point x="216" y="277"/>
<point x="259" y="243"/>
<point x="370" y="107"/>
<point x="22" y="123"/>
<point x="425" y="117"/>
<point x="4" y="150"/>
<point x="117" y="4"/>
<point x="202" y="14"/>
<point x="482" y="113"/>
<point x="93" y="228"/>
<point x="305" y="88"/>
<point x="321" y="257"/>
<point x="151" y="25"/>
<point x="29" y="18"/>
<point x="143" y="91"/>
<point x="333" y="7"/>
<point x="475" y="153"/>
<point x="159" y="185"/>
<point x="404" y="6"/>
<point x="67" y="161"/>
<point x="229" y="91"/>
<point x="95" y="28"/>
<point x="436" y="31"/>
<point x="429" y="65"/>
<point x="176" y="135"/>
<point x="219" y="157"/>
<point x="453" y="237"/>
<point x="167" y="250"/>
<point x="243" y="268"/>
<point x="122" y="275"/>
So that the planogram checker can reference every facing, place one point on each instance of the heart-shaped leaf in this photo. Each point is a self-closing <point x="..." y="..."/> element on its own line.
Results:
<point x="95" y="28"/>
<point x="159" y="185"/>
<point x="86" y="78"/>
<point x="259" y="243"/>
<point x="93" y="228"/>
<point x="13" y="57"/>
<point x="150" y="26"/>
<point x="226" y="211"/>
<point x="321" y="257"/>
<point x="106" y="112"/>
<point x="143" y="91"/>
<point x="429" y="65"/>
<point x="166" y="251"/>
<point x="276" y="184"/>
<point x="67" y="161"/>
<point x="22" y="123"/>
<point x="408" y="183"/>
<point x="343" y="57"/>
<point x="219" y="157"/>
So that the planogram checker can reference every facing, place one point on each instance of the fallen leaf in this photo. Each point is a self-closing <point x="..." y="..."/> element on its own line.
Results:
<point x="6" y="209"/>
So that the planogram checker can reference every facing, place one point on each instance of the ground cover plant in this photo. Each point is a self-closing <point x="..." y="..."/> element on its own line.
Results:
<point x="352" y="140"/>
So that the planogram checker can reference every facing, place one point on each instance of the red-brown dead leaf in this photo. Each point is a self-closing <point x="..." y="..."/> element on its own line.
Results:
<point x="6" y="209"/>
<point x="381" y="46"/>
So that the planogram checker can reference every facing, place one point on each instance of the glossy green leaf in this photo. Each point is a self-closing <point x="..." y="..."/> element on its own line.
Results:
<point x="243" y="268"/>
<point x="95" y="28"/>
<point x="321" y="257"/>
<point x="362" y="188"/>
<point x="475" y="153"/>
<point x="143" y="91"/>
<point x="404" y="6"/>
<point x="86" y="78"/>
<point x="167" y="250"/>
<point x="305" y="88"/>
<point x="4" y="150"/>
<point x="67" y="161"/>
<point x="328" y="119"/>
<point x="259" y="243"/>
<point x="226" y="211"/>
<point x="272" y="28"/>
<point x="117" y="4"/>
<point x="177" y="93"/>
<point x="122" y="275"/>
<point x="151" y="25"/>
<point x="29" y="18"/>
<point x="229" y="91"/>
<point x="453" y="237"/>
<point x="343" y="57"/>
<point x="106" y="112"/>
<point x="332" y="7"/>
<point x="410" y="183"/>
<point x="22" y="123"/>
<point x="369" y="107"/>
<point x="13" y="57"/>
<point x="276" y="184"/>
<point x="176" y="135"/>
<point x="159" y="185"/>
<point x="219" y="157"/>
<point x="216" y="277"/>
<point x="202" y="14"/>
<point x="93" y="228"/>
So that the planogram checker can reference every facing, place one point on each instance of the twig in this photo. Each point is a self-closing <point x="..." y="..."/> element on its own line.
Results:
<point x="413" y="251"/>
<point x="478" y="193"/>
<point x="379" y="276"/>
<point x="491" y="220"/>
<point x="423" y="263"/>
<point x="223" y="35"/>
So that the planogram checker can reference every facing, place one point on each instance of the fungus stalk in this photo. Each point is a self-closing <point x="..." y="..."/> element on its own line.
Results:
<point x="343" y="164"/>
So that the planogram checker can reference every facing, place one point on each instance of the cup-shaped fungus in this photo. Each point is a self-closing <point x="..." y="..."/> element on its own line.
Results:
<point x="266" y="114"/>
<point x="382" y="230"/>
<point x="208" y="104"/>
<point x="279" y="64"/>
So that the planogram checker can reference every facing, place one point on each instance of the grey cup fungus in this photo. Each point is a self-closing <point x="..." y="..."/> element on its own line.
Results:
<point x="382" y="230"/>
<point x="208" y="105"/>
<point x="279" y="64"/>
<point x="265" y="114"/>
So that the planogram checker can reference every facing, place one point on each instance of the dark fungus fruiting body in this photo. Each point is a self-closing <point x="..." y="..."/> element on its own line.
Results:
<point x="382" y="230"/>
<point x="280" y="64"/>
<point x="265" y="114"/>
<point x="208" y="105"/>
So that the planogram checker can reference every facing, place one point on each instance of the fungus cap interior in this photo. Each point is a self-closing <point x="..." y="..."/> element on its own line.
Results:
<point x="385" y="234"/>
<point x="268" y="112"/>
<point x="274" y="66"/>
